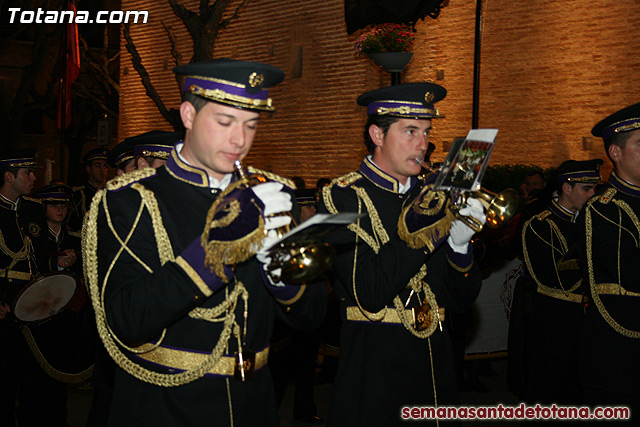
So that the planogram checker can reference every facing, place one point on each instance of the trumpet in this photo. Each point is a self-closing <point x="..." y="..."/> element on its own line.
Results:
<point x="499" y="207"/>
<point x="298" y="262"/>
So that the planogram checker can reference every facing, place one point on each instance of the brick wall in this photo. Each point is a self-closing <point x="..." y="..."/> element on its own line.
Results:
<point x="549" y="71"/>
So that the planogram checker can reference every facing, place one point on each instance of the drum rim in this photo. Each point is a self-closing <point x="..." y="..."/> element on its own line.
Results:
<point x="35" y="281"/>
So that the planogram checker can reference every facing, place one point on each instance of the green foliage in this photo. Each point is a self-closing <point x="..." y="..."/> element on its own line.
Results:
<point x="385" y="38"/>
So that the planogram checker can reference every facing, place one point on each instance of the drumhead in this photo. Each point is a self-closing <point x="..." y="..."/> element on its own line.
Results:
<point x="44" y="297"/>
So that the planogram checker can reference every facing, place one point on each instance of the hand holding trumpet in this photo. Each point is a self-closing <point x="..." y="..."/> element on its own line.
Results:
<point x="460" y="233"/>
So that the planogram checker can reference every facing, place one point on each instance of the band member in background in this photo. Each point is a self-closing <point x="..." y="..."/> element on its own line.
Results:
<point x="22" y="231"/>
<point x="152" y="148"/>
<point x="179" y="253"/>
<point x="122" y="158"/>
<point x="549" y="242"/>
<point x="95" y="162"/>
<point x="400" y="269"/>
<point x="609" y="253"/>
<point x="63" y="246"/>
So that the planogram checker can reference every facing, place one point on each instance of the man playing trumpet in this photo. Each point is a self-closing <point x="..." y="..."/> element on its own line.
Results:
<point x="400" y="269"/>
<point x="187" y="314"/>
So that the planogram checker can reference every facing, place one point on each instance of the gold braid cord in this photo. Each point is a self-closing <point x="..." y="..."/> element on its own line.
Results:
<point x="90" y="246"/>
<point x="562" y="250"/>
<point x="218" y="253"/>
<point x="418" y="284"/>
<point x="271" y="176"/>
<point x="50" y="370"/>
<point x="380" y="238"/>
<point x="592" y="283"/>
<point x="129" y="178"/>
<point x="22" y="254"/>
<point x="424" y="237"/>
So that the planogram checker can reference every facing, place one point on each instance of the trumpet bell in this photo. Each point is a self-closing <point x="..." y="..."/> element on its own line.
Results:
<point x="301" y="264"/>
<point x="499" y="208"/>
<point x="502" y="206"/>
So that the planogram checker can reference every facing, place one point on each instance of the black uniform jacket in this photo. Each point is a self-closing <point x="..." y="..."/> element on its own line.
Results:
<point x="382" y="365"/>
<point x="550" y="253"/>
<point x="81" y="199"/>
<point x="20" y="221"/>
<point x="610" y="252"/>
<point x="149" y="296"/>
<point x="54" y="245"/>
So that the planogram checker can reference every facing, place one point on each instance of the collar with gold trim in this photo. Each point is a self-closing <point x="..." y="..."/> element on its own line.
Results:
<point x="8" y="204"/>
<point x="382" y="179"/>
<point x="185" y="172"/>
<point x="53" y="236"/>
<point x="178" y="167"/>
<point x="623" y="186"/>
<point x="562" y="212"/>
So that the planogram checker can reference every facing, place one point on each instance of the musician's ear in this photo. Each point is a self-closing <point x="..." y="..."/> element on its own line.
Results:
<point x="615" y="152"/>
<point x="8" y="177"/>
<point x="187" y="114"/>
<point x="376" y="134"/>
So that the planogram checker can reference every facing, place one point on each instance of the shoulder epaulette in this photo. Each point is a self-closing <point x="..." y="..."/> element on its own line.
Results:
<point x="32" y="199"/>
<point x="542" y="215"/>
<point x="348" y="179"/>
<point x="78" y="188"/>
<point x="129" y="178"/>
<point x="272" y="176"/>
<point x="606" y="197"/>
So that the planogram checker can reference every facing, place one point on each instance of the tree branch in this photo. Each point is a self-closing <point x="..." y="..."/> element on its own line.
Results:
<point x="224" y="23"/>
<point x="190" y="19"/>
<point x="177" y="56"/>
<point x="146" y="80"/>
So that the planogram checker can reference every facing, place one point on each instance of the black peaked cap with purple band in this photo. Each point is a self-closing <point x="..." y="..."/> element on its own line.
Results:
<point x="306" y="197"/>
<point x="583" y="171"/>
<point x="236" y="83"/>
<point x="120" y="154"/>
<point x="95" y="154"/>
<point x="409" y="100"/>
<point x="21" y="158"/>
<point x="54" y="194"/>
<point x="624" y="120"/>
<point x="156" y="143"/>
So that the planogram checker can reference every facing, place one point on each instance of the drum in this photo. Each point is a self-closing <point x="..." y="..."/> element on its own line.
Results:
<point x="58" y="325"/>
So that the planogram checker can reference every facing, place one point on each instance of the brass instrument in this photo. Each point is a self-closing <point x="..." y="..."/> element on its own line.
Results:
<point x="299" y="262"/>
<point x="499" y="208"/>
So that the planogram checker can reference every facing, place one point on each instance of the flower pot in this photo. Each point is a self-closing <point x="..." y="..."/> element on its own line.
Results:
<point x="391" y="62"/>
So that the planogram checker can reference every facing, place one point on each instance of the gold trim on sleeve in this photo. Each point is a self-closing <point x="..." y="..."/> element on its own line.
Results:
<point x="195" y="277"/>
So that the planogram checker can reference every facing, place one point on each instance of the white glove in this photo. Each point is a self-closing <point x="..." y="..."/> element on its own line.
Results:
<point x="460" y="233"/>
<point x="275" y="200"/>
<point x="265" y="258"/>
